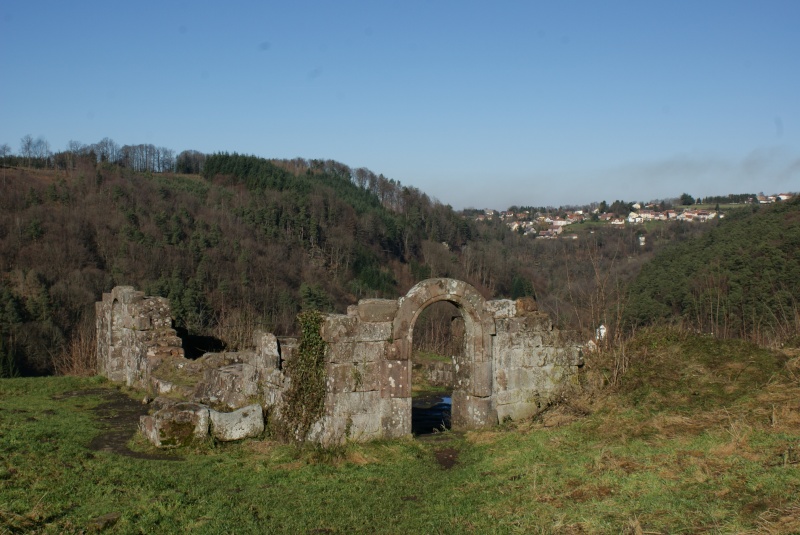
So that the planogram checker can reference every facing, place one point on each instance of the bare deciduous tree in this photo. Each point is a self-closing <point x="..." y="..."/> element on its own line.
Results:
<point x="26" y="148"/>
<point x="5" y="151"/>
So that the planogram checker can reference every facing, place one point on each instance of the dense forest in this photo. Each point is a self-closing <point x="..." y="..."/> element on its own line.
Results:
<point x="740" y="280"/>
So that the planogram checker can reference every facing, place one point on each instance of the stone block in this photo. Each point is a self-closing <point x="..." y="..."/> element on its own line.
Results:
<point x="517" y="411"/>
<point x="364" y="426"/>
<point x="396" y="417"/>
<point x="141" y="323"/>
<point x="368" y="376"/>
<point x="350" y="403"/>
<point x="501" y="308"/>
<point x="399" y="349"/>
<point x="328" y="431"/>
<point x="539" y="321"/>
<point x="507" y="355"/>
<point x="371" y="351"/>
<point x="505" y="397"/>
<point x="565" y="356"/>
<point x="267" y="349"/>
<point x="377" y="310"/>
<point x="273" y="386"/>
<point x="243" y="423"/>
<point x="463" y="373"/>
<point x="504" y="326"/>
<point x="340" y="352"/>
<point x="232" y="386"/>
<point x="536" y="356"/>
<point x="337" y="327"/>
<point x="471" y="412"/>
<point x="177" y="425"/>
<point x="396" y="379"/>
<point x="481" y="380"/>
<point x="373" y="332"/>
<point x="287" y="346"/>
<point x="341" y="378"/>
<point x="524" y="379"/>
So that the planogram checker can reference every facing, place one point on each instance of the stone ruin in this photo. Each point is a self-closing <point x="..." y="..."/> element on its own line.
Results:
<point x="513" y="365"/>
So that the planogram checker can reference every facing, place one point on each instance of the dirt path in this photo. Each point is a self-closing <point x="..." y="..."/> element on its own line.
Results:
<point x="119" y="418"/>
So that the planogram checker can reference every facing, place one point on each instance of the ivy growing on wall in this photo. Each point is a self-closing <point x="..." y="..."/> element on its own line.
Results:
<point x="305" y="398"/>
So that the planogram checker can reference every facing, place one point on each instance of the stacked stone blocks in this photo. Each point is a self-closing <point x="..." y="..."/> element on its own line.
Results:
<point x="513" y="364"/>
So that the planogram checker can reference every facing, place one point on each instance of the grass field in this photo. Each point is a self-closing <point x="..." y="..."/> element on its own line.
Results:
<point x="699" y="436"/>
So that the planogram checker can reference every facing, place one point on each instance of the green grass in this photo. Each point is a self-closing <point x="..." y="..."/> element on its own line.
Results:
<point x="698" y="436"/>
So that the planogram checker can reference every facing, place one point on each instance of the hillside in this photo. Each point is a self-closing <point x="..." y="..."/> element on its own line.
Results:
<point x="249" y="243"/>
<point x="739" y="280"/>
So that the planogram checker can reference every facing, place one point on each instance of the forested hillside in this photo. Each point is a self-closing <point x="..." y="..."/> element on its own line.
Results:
<point x="740" y="280"/>
<point x="249" y="243"/>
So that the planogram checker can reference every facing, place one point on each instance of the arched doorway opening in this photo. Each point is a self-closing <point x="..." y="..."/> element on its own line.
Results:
<point x="437" y="349"/>
<point x="472" y="405"/>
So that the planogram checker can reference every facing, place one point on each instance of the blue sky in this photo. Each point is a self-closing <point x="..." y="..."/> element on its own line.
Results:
<point x="476" y="103"/>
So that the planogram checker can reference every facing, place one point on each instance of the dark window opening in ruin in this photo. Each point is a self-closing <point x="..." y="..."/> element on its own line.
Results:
<point x="197" y="345"/>
<point x="438" y="345"/>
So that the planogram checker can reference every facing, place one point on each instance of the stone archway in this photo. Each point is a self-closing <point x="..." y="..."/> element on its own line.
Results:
<point x="472" y="390"/>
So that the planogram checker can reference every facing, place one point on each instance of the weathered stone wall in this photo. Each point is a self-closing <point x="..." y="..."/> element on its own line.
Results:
<point x="133" y="333"/>
<point x="532" y="360"/>
<point x="512" y="366"/>
<point x="363" y="381"/>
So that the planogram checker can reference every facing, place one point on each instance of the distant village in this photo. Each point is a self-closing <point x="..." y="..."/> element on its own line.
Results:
<point x="550" y="223"/>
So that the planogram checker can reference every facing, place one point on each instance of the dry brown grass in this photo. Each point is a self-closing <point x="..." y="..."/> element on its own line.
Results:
<point x="778" y="521"/>
<point x="79" y="357"/>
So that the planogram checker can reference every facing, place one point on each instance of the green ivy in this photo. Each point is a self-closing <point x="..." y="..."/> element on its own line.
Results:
<point x="305" y="398"/>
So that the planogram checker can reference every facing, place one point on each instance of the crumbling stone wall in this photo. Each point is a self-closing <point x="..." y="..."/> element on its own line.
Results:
<point x="532" y="360"/>
<point x="134" y="333"/>
<point x="512" y="366"/>
<point x="363" y="378"/>
<point x="220" y="394"/>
